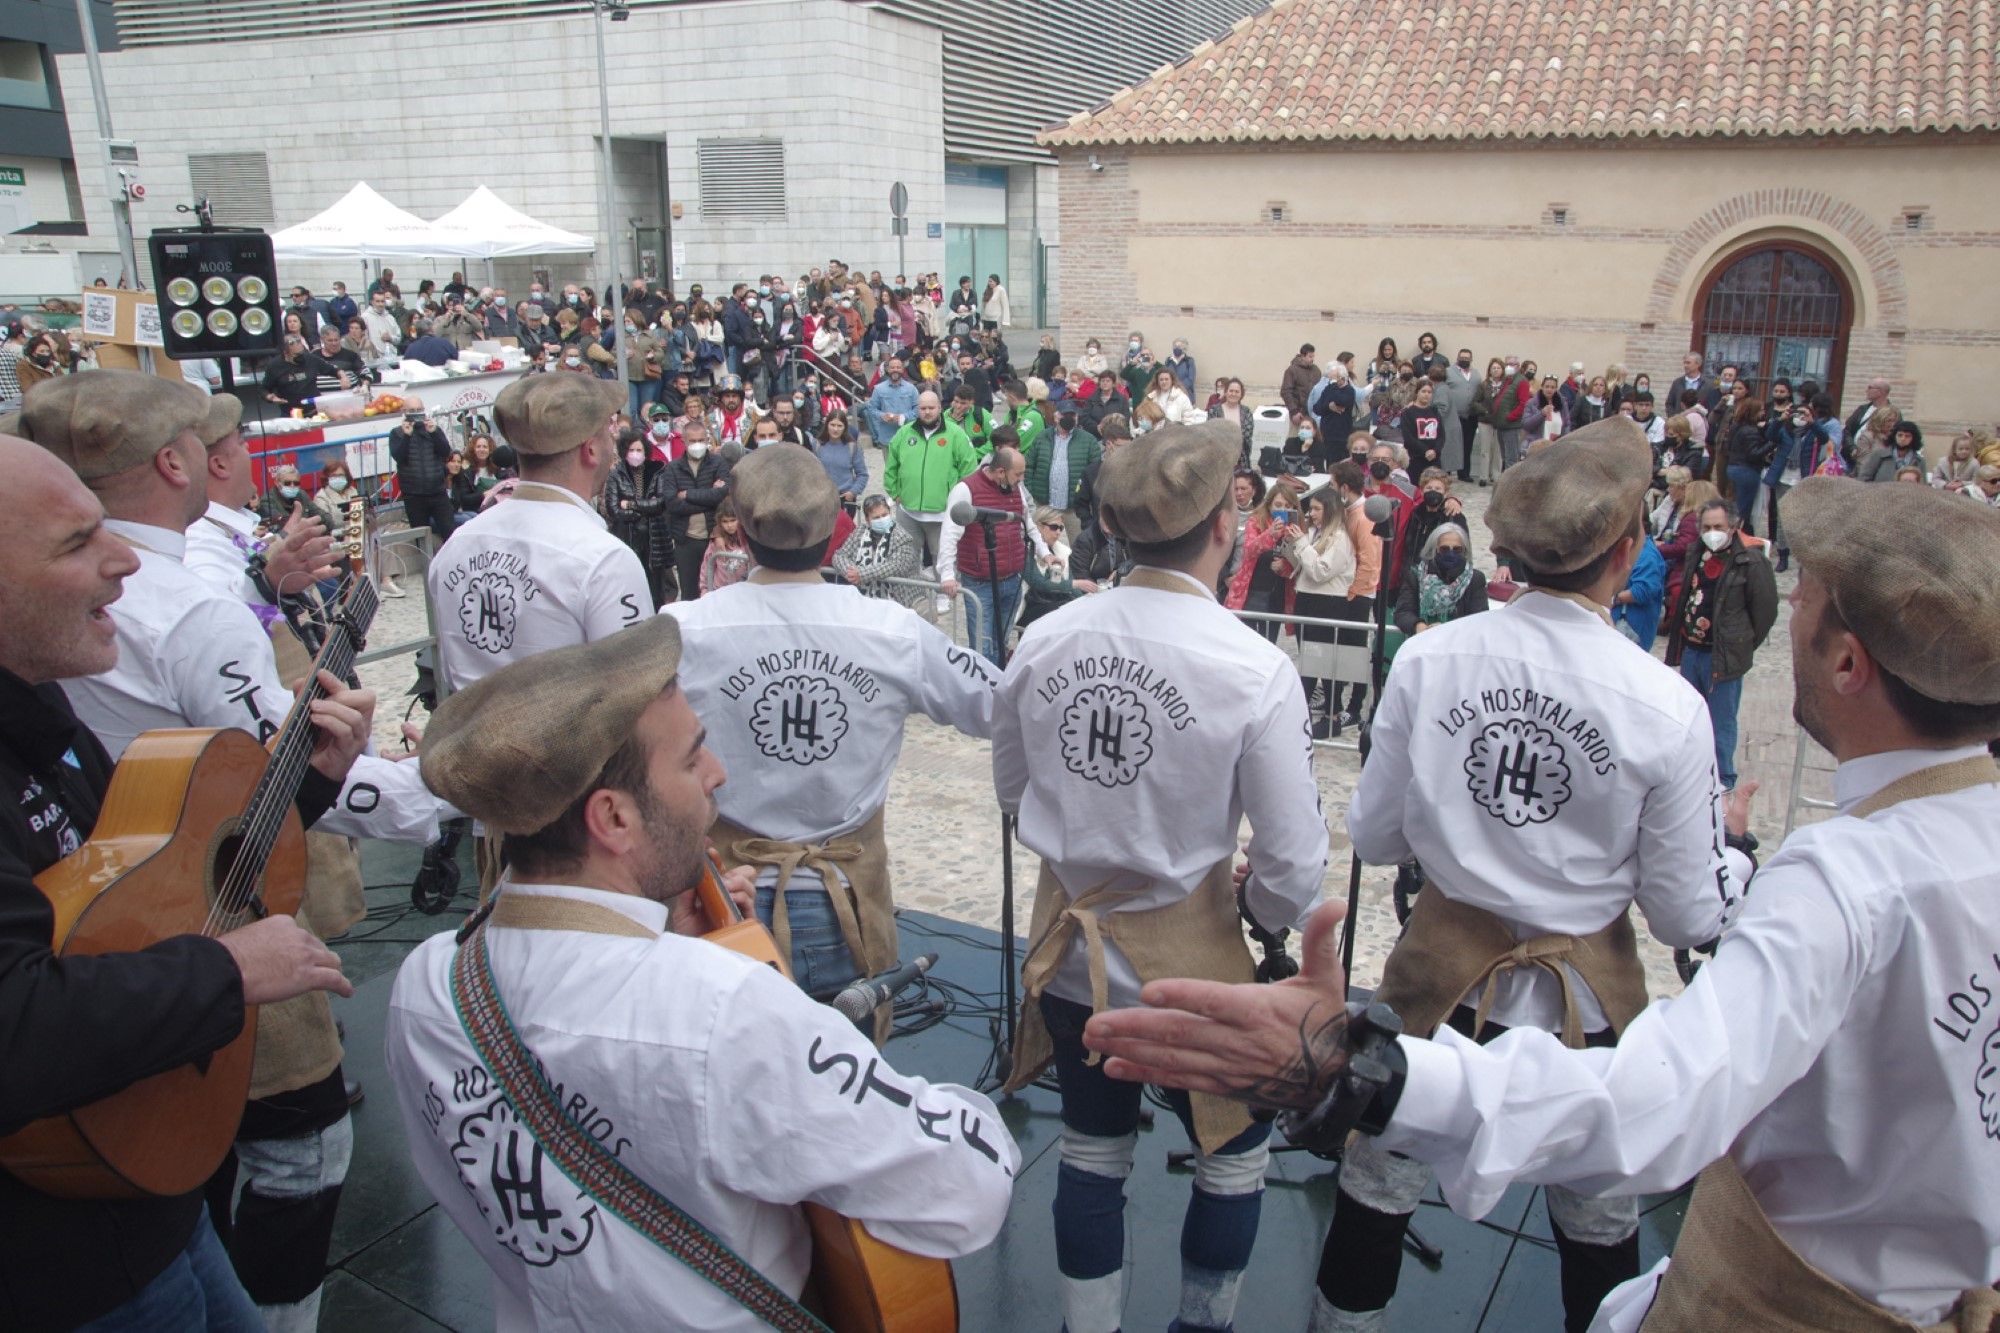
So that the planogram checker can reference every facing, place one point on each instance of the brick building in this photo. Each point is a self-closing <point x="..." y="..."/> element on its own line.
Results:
<point x="1804" y="189"/>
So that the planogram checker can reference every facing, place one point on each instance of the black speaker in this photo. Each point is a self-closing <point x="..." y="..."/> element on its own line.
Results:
<point x="218" y="292"/>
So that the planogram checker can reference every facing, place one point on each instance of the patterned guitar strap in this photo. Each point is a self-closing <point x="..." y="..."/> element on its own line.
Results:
<point x="587" y="1163"/>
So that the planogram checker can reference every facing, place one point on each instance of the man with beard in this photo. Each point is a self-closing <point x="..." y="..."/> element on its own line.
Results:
<point x="691" y="1078"/>
<point x="1836" y="1068"/>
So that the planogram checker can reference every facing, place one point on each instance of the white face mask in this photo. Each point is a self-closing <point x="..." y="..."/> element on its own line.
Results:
<point x="698" y="450"/>
<point x="635" y="458"/>
<point x="1715" y="541"/>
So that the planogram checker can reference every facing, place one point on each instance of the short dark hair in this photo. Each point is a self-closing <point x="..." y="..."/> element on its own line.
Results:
<point x="1579" y="579"/>
<point x="787" y="561"/>
<point x="564" y="842"/>
<point x="1005" y="437"/>
<point x="1347" y="475"/>
<point x="1306" y="349"/>
<point x="1184" y="548"/>
<point x="1932" y="719"/>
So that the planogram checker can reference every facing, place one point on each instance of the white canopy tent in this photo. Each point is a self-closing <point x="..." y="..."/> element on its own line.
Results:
<point x="363" y="225"/>
<point x="486" y="226"/>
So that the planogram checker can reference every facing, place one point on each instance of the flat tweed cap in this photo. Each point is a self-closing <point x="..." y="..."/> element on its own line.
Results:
<point x="519" y="747"/>
<point x="225" y="414"/>
<point x="1564" y="505"/>
<point x="1161" y="486"/>
<point x="103" y="422"/>
<point x="1915" y="574"/>
<point x="784" y="499"/>
<point x="553" y="414"/>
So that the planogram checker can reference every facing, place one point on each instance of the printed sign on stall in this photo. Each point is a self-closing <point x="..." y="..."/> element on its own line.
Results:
<point x="100" y="315"/>
<point x="146" y="325"/>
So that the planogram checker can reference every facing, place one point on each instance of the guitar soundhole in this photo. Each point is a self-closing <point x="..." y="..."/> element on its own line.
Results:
<point x="223" y="849"/>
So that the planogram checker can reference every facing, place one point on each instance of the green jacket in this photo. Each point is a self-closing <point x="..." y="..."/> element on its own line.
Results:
<point x="978" y="427"/>
<point x="1027" y="423"/>
<point x="1083" y="451"/>
<point x="1138" y="379"/>
<point x="921" y="467"/>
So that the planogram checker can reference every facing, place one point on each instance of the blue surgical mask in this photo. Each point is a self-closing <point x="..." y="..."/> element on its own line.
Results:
<point x="882" y="524"/>
<point x="289" y="492"/>
<point x="763" y="289"/>
<point x="337" y="483"/>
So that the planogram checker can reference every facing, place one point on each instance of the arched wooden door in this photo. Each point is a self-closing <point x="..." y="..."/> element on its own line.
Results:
<point x="1776" y="310"/>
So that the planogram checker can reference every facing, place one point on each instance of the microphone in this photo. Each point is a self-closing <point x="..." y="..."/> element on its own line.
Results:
<point x="858" y="999"/>
<point x="1380" y="510"/>
<point x="965" y="514"/>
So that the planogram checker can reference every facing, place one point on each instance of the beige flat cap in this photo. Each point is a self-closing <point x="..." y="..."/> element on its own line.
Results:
<point x="102" y="422"/>
<point x="1914" y="572"/>
<point x="784" y="499"/>
<point x="517" y="748"/>
<point x="553" y="414"/>
<point x="1160" y="487"/>
<point x="1562" y="506"/>
<point x="225" y="414"/>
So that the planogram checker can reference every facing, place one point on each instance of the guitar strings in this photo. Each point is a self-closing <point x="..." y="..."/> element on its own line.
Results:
<point x="289" y="762"/>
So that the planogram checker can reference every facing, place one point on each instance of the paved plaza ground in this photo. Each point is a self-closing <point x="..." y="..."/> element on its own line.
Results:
<point x="944" y="826"/>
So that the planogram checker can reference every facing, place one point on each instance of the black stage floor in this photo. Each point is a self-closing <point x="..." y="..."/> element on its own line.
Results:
<point x="400" y="1264"/>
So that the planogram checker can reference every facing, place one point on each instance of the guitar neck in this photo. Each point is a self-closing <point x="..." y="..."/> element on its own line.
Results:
<point x="291" y="754"/>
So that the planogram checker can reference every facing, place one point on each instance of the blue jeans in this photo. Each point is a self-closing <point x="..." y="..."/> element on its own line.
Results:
<point x="987" y="626"/>
<point x="198" y="1290"/>
<point x="821" y="963"/>
<point x="643" y="394"/>
<point x="1723" y="696"/>
<point x="1745" y="482"/>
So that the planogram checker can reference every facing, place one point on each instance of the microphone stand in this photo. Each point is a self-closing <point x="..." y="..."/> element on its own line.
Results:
<point x="1003" y="1062"/>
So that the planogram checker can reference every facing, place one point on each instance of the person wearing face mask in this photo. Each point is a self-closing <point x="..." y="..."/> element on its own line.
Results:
<point x="1440" y="585"/>
<point x="1092" y="363"/>
<point x="1728" y="603"/>
<point x="698" y="484"/>
<point x="1458" y="395"/>
<point x="1436" y="507"/>
<point x="635" y="506"/>
<point x="880" y="549"/>
<point x="274" y="506"/>
<point x="39" y="362"/>
<point x="1057" y="463"/>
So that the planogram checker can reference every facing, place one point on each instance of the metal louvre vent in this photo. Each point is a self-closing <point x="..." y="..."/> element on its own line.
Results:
<point x="190" y="22"/>
<point x="741" y="178"/>
<point x="238" y="185"/>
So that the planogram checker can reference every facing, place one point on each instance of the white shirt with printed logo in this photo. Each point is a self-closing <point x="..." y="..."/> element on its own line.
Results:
<point x="711" y="1077"/>
<point x="531" y="573"/>
<point x="804" y="688"/>
<point x="1545" y="768"/>
<point x="192" y="656"/>
<point x="1843" y="1047"/>
<point x="213" y="553"/>
<point x="1133" y="732"/>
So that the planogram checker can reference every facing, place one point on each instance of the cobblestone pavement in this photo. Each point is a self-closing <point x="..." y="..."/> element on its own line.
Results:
<point x="944" y="827"/>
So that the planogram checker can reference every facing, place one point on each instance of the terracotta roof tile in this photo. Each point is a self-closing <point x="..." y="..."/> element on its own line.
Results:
<point x="1308" y="70"/>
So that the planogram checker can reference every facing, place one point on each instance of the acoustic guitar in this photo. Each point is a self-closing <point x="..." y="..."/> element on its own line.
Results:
<point x="197" y="836"/>
<point x="858" y="1284"/>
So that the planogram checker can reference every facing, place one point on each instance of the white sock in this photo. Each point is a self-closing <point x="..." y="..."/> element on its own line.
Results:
<point x="1094" y="1304"/>
<point x="1208" y="1296"/>
<point x="1327" y="1319"/>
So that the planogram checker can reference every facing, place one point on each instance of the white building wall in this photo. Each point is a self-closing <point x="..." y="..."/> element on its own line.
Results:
<point x="515" y="113"/>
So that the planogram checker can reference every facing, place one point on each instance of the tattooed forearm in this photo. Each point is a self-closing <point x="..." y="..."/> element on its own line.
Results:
<point x="1307" y="1073"/>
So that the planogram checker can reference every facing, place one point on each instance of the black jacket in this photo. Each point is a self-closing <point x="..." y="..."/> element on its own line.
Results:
<point x="701" y="483"/>
<point x="464" y="493"/>
<point x="645" y="526"/>
<point x="1745" y="608"/>
<point x="74" y="1030"/>
<point x="420" y="457"/>
<point x="738" y="328"/>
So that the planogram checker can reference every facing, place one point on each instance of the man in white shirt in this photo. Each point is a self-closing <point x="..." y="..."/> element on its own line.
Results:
<point x="222" y="542"/>
<point x="804" y="687"/>
<point x="1546" y="774"/>
<point x="191" y="656"/>
<point x="542" y="570"/>
<point x="1837" y="1062"/>
<point x="1133" y="732"/>
<point x="711" y="1078"/>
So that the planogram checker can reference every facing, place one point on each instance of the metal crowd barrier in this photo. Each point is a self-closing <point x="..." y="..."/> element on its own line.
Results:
<point x="1797" y="800"/>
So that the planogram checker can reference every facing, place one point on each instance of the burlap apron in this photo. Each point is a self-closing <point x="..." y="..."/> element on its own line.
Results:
<point x="1450" y="947"/>
<point x="1733" y="1270"/>
<point x="854" y="868"/>
<point x="297" y="1043"/>
<point x="1199" y="936"/>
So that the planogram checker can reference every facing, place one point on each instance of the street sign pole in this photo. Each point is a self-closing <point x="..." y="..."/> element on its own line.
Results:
<point x="899" y="222"/>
